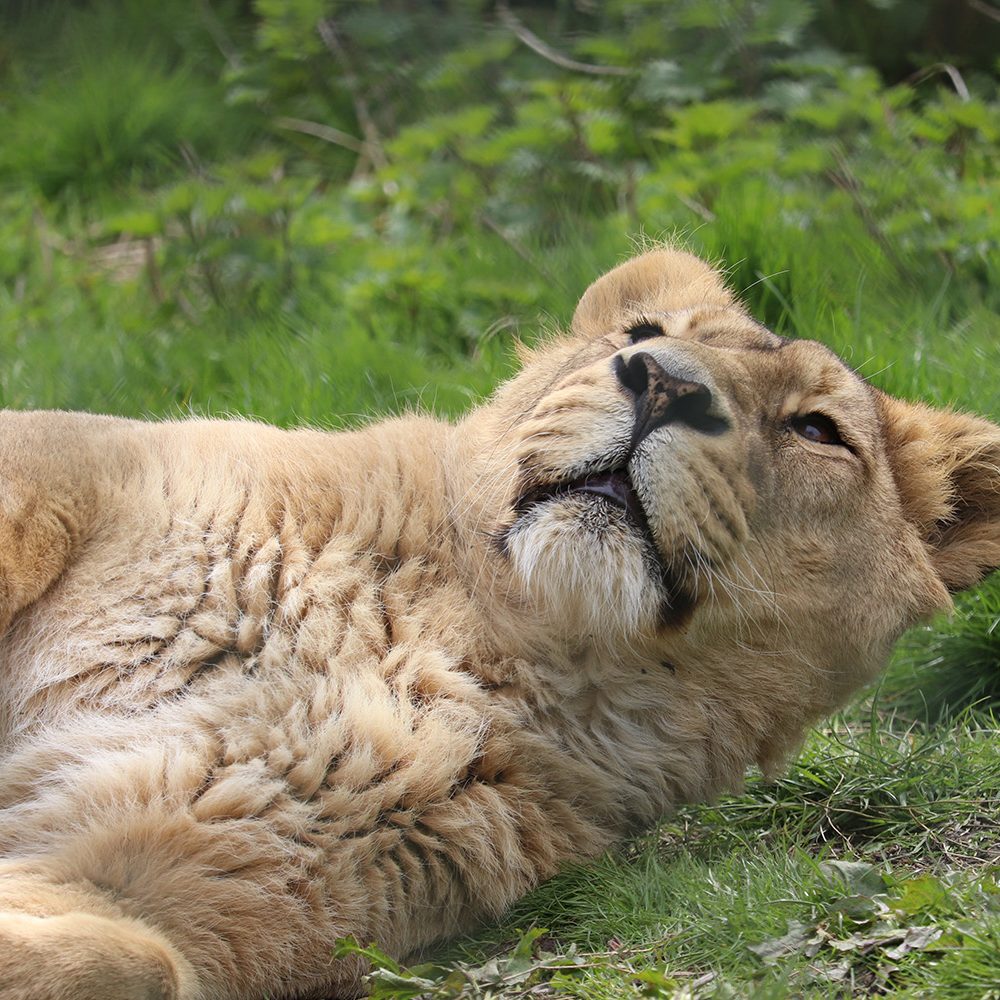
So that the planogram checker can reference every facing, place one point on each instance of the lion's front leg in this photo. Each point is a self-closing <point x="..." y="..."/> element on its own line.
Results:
<point x="146" y="875"/>
<point x="67" y="942"/>
<point x="80" y="957"/>
<point x="189" y="935"/>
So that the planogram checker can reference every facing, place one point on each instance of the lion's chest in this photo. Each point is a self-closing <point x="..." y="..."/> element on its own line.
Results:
<point x="322" y="690"/>
<point x="321" y="698"/>
<point x="220" y="604"/>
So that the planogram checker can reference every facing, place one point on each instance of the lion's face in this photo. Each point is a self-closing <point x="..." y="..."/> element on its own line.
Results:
<point x="692" y="455"/>
<point x="685" y="482"/>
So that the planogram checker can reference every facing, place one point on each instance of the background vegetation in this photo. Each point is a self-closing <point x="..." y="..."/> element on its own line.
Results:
<point x="314" y="211"/>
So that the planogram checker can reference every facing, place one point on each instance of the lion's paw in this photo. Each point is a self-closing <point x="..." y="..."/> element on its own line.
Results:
<point x="77" y="956"/>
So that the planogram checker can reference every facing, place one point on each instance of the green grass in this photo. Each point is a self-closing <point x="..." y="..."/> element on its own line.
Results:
<point x="953" y="665"/>
<point x="167" y="246"/>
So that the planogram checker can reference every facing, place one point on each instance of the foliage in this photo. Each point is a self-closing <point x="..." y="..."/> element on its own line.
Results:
<point x="945" y="668"/>
<point x="323" y="146"/>
<point x="871" y="867"/>
<point x="860" y="929"/>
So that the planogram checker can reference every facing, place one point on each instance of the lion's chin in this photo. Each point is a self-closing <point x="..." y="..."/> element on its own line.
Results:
<point x="586" y="568"/>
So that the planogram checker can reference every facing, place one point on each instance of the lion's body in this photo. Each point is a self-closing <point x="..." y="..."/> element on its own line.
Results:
<point x="255" y="670"/>
<point x="254" y="657"/>
<point x="263" y="689"/>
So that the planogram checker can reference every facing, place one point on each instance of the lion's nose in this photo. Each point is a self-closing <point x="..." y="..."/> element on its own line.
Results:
<point x="662" y="398"/>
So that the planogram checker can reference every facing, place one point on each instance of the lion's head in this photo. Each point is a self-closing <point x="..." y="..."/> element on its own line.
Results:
<point x="673" y="481"/>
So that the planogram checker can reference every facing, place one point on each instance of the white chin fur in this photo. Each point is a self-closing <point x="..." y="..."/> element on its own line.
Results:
<point x="586" y="572"/>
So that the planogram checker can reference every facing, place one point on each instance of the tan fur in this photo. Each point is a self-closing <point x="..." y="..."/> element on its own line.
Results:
<point x="261" y="689"/>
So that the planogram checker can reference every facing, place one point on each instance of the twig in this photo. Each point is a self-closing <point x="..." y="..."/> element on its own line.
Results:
<point x="953" y="74"/>
<point x="152" y="270"/>
<point x="985" y="9"/>
<point x="325" y="132"/>
<point x="843" y="177"/>
<point x="697" y="207"/>
<point x="539" y="47"/>
<point x="218" y="32"/>
<point x="373" y="141"/>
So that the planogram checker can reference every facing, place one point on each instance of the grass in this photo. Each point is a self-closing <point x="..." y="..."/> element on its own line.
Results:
<point x="945" y="668"/>
<point x="911" y="811"/>
<point x="164" y="249"/>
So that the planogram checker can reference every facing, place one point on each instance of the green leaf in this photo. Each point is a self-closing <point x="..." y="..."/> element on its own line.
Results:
<point x="348" y="946"/>
<point x="656" y="983"/>
<point x="859" y="876"/>
<point x="923" y="894"/>
<point x="399" y="985"/>
<point x="526" y="945"/>
<point x="137" y="224"/>
<point x="860" y="909"/>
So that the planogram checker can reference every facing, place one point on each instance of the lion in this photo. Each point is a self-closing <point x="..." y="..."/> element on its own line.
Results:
<point x="264" y="689"/>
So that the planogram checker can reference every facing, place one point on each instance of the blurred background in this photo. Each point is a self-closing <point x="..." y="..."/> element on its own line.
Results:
<point x="320" y="211"/>
<point x="305" y="208"/>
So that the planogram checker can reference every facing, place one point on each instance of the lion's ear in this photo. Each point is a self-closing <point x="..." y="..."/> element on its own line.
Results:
<point x="947" y="471"/>
<point x="657" y="281"/>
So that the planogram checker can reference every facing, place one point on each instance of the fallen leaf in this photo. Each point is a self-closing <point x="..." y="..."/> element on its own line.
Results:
<point x="915" y="939"/>
<point x="789" y="944"/>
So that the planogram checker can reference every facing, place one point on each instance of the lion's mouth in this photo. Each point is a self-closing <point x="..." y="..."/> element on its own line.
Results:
<point x="614" y="487"/>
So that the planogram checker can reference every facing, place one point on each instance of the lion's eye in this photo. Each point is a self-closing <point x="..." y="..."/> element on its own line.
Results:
<point x="816" y="428"/>
<point x="644" y="331"/>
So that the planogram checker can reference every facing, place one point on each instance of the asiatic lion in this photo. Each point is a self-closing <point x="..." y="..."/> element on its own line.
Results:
<point x="263" y="689"/>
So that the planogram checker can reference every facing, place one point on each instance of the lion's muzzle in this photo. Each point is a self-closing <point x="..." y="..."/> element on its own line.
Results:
<point x="662" y="398"/>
